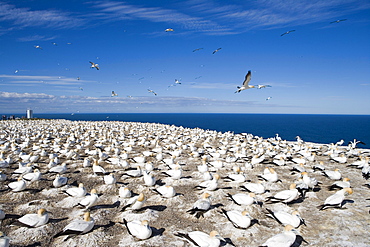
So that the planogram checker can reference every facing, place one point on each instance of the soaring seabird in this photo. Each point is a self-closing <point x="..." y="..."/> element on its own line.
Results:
<point x="245" y="85"/>
<point x="287" y="32"/>
<point x="94" y="65"/>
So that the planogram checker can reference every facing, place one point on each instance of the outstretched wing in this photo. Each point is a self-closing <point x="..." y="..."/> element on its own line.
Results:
<point x="248" y="77"/>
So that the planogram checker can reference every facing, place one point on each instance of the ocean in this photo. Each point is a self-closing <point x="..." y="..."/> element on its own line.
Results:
<point x="311" y="128"/>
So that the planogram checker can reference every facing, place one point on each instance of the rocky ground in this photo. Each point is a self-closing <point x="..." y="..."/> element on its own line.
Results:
<point x="347" y="226"/>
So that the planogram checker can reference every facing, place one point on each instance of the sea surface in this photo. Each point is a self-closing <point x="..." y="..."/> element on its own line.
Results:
<point x="311" y="128"/>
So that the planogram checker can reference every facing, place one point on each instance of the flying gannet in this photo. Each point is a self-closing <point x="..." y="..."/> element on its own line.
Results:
<point x="94" y="65"/>
<point x="245" y="85"/>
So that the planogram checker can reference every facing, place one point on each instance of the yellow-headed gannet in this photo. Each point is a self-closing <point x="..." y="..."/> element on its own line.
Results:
<point x="89" y="200"/>
<point x="256" y="188"/>
<point x="243" y="199"/>
<point x="34" y="220"/>
<point x="284" y="239"/>
<point x="33" y="176"/>
<point x="124" y="192"/>
<point x="138" y="229"/>
<point x="201" y="206"/>
<point x="284" y="196"/>
<point x="59" y="181"/>
<point x="340" y="184"/>
<point x="135" y="203"/>
<point x="165" y="191"/>
<point x="202" y="239"/>
<point x="245" y="85"/>
<point x="209" y="184"/>
<point x="285" y="218"/>
<point x="269" y="175"/>
<point x="334" y="175"/>
<point x="79" y="191"/>
<point x="240" y="220"/>
<point x="78" y="226"/>
<point x="336" y="200"/>
<point x="18" y="185"/>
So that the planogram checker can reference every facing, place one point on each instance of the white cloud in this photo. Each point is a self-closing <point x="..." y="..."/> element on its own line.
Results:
<point x="28" y="79"/>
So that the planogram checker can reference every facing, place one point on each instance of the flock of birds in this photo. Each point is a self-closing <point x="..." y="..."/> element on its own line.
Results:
<point x="161" y="185"/>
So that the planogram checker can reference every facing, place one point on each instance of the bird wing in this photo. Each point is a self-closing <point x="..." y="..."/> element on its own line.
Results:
<point x="248" y="77"/>
<point x="29" y="219"/>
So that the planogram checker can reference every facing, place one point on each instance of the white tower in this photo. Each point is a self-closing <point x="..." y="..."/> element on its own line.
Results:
<point x="29" y="113"/>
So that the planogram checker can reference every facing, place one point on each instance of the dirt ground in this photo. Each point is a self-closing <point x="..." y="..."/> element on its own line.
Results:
<point x="347" y="226"/>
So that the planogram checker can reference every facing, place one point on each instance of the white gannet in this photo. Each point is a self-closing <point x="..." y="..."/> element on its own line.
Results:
<point x="4" y="240"/>
<point x="240" y="220"/>
<point x="310" y="181"/>
<point x="35" y="220"/>
<point x="333" y="175"/>
<point x="256" y="188"/>
<point x="97" y="169"/>
<point x="79" y="191"/>
<point x="78" y="226"/>
<point x="59" y="181"/>
<point x="124" y="192"/>
<point x="169" y="30"/>
<point x="201" y="206"/>
<point x="23" y="169"/>
<point x="263" y="86"/>
<point x="286" y="218"/>
<point x="269" y="175"/>
<point x="287" y="32"/>
<point x="340" y="184"/>
<point x="110" y="179"/>
<point x="33" y="176"/>
<point x="151" y="91"/>
<point x="284" y="196"/>
<point x="94" y="65"/>
<point x="138" y="229"/>
<point x="135" y="203"/>
<point x="114" y="94"/>
<point x="149" y="180"/>
<point x="59" y="169"/>
<point x="209" y="184"/>
<point x="337" y="21"/>
<point x="243" y="199"/>
<point x="18" y="185"/>
<point x="89" y="200"/>
<point x="245" y="83"/>
<point x="336" y="200"/>
<point x="165" y="191"/>
<point x="174" y="173"/>
<point x="284" y="239"/>
<point x="198" y="238"/>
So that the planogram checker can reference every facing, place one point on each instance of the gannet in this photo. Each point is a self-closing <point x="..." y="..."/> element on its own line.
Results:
<point x="209" y="184"/>
<point x="37" y="47"/>
<point x="285" y="218"/>
<point x="24" y="169"/>
<point x="240" y="220"/>
<point x="59" y="181"/>
<point x="79" y="191"/>
<point x="169" y="30"/>
<point x="151" y="91"/>
<point x="97" y="169"/>
<point x="149" y="180"/>
<point x="34" y="176"/>
<point x="269" y="175"/>
<point x="340" y="184"/>
<point x="175" y="173"/>
<point x="284" y="239"/>
<point x="89" y="200"/>
<point x="243" y="199"/>
<point x="263" y="86"/>
<point x="333" y="175"/>
<point x="94" y="65"/>
<point x="238" y="176"/>
<point x="310" y="181"/>
<point x="336" y="199"/>
<point x="34" y="220"/>
<point x="245" y="85"/>
<point x="4" y="240"/>
<point x="337" y="21"/>
<point x="138" y="229"/>
<point x="78" y="226"/>
<point x="110" y="179"/>
<point x="165" y="191"/>
<point x="202" y="239"/>
<point x="114" y="94"/>
<point x="135" y="203"/>
<point x="124" y="192"/>
<point x="287" y="32"/>
<point x="256" y="188"/>
<point x="197" y="49"/>
<point x="201" y="206"/>
<point x="59" y="169"/>
<point x="284" y="196"/>
<point x="18" y="185"/>
<point x="218" y="49"/>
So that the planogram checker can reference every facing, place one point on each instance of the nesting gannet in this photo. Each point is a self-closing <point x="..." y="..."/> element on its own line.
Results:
<point x="310" y="181"/>
<point x="59" y="169"/>
<point x="245" y="85"/>
<point x="18" y="185"/>
<point x="97" y="169"/>
<point x="135" y="203"/>
<point x="284" y="239"/>
<point x="340" y="184"/>
<point x="4" y="240"/>
<point x="23" y="169"/>
<point x="201" y="206"/>
<point x="333" y="175"/>
<point x="284" y="196"/>
<point x="34" y="220"/>
<point x="59" y="181"/>
<point x="243" y="199"/>
<point x="202" y="239"/>
<point x="240" y="220"/>
<point x="218" y="49"/>
<point x="256" y="188"/>
<point x="238" y="176"/>
<point x="109" y="179"/>
<point x="285" y="218"/>
<point x="79" y="191"/>
<point x="124" y="192"/>
<point x="149" y="180"/>
<point x="269" y="175"/>
<point x="174" y="173"/>
<point x="209" y="184"/>
<point x="337" y="21"/>
<point x="94" y="65"/>
<point x="165" y="191"/>
<point x="114" y="94"/>
<point x="78" y="226"/>
<point x="89" y="200"/>
<point x="287" y="32"/>
<point x="138" y="229"/>
<point x="34" y="176"/>
<point x="336" y="200"/>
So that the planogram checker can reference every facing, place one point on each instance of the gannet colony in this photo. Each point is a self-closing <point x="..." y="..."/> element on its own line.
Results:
<point x="106" y="183"/>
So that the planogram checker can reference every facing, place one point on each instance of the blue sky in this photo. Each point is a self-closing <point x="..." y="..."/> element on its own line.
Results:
<point x="320" y="68"/>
